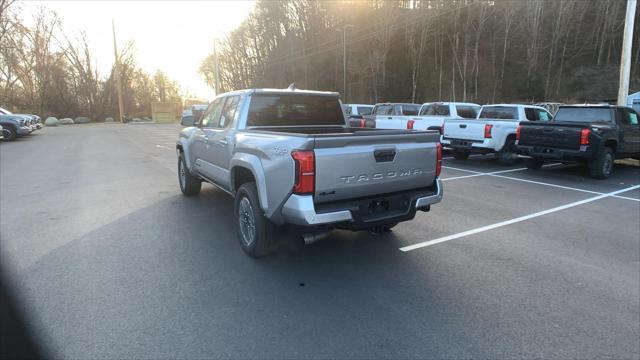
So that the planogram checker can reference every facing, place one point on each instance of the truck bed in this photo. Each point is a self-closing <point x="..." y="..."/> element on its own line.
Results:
<point x="304" y="131"/>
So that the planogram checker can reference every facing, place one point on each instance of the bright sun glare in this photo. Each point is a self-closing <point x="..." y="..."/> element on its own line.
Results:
<point x="170" y="36"/>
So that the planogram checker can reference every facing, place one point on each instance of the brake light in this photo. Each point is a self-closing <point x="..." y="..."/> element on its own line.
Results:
<point x="584" y="136"/>
<point x="487" y="131"/>
<point x="410" y="124"/>
<point x="518" y="132"/>
<point x="438" y="158"/>
<point x="305" y="171"/>
<point x="362" y="123"/>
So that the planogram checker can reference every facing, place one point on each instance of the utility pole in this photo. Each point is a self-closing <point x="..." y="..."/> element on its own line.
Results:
<point x="217" y="73"/>
<point x="118" y="81"/>
<point x="344" y="60"/>
<point x="625" y="60"/>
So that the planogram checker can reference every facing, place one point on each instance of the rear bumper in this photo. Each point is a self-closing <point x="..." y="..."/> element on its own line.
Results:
<point x="363" y="212"/>
<point x="472" y="146"/>
<point x="551" y="153"/>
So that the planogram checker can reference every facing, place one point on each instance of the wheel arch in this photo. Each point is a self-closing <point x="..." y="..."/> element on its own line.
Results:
<point x="183" y="149"/>
<point x="245" y="168"/>
<point x="611" y="143"/>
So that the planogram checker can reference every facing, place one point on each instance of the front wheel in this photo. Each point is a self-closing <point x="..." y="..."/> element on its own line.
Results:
<point x="255" y="232"/>
<point x="189" y="184"/>
<point x="602" y="166"/>
<point x="9" y="133"/>
<point x="507" y="156"/>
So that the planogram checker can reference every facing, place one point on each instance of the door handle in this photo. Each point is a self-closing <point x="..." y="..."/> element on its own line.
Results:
<point x="223" y="142"/>
<point x="389" y="118"/>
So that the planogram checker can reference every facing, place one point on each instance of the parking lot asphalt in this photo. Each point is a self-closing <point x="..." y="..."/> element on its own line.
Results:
<point x="109" y="260"/>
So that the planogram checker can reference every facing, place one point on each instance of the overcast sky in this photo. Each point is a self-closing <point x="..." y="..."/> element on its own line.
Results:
<point x="173" y="36"/>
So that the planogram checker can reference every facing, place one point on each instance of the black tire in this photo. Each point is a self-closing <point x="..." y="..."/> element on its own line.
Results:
<point x="602" y="166"/>
<point x="189" y="184"/>
<point x="9" y="133"/>
<point x="507" y="156"/>
<point x="534" y="163"/>
<point x="257" y="235"/>
<point x="460" y="155"/>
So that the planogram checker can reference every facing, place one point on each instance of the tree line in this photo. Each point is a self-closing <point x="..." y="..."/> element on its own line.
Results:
<point x="44" y="71"/>
<point x="484" y="51"/>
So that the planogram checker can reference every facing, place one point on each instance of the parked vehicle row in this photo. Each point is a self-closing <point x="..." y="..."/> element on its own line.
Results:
<point x="493" y="131"/>
<point x="17" y="125"/>
<point x="605" y="132"/>
<point x="291" y="161"/>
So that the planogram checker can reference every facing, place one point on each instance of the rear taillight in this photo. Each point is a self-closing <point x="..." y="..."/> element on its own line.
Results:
<point x="518" y="132"/>
<point x="305" y="172"/>
<point x="362" y="123"/>
<point x="438" y="159"/>
<point x="442" y="129"/>
<point x="584" y="136"/>
<point x="410" y="124"/>
<point x="487" y="131"/>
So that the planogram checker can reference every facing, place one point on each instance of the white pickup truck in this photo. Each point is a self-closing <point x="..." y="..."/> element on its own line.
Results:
<point x="433" y="115"/>
<point x="393" y="115"/>
<point x="494" y="131"/>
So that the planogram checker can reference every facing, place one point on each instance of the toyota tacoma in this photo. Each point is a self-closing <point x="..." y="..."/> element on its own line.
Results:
<point x="290" y="160"/>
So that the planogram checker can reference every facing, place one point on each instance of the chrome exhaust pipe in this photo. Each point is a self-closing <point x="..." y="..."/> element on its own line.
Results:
<point x="310" y="238"/>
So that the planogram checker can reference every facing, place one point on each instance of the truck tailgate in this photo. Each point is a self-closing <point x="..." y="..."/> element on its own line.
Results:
<point x="391" y="122"/>
<point x="349" y="167"/>
<point x="548" y="135"/>
<point x="464" y="129"/>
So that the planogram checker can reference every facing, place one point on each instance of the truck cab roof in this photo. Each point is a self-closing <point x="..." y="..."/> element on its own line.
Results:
<point x="516" y="105"/>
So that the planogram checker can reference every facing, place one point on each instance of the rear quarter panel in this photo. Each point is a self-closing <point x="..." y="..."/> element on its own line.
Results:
<point x="268" y="157"/>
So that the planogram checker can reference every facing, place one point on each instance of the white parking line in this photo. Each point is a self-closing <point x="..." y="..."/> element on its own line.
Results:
<point x="496" y="174"/>
<point x="163" y="147"/>
<point x="513" y="221"/>
<point x="563" y="187"/>
<point x="477" y="173"/>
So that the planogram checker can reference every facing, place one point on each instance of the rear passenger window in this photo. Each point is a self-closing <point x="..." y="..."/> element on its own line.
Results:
<point x="409" y="110"/>
<point x="436" y="110"/>
<point x="543" y="115"/>
<point x="364" y="110"/>
<point x="499" y="112"/>
<point x="632" y="117"/>
<point x="467" y="112"/>
<point x="531" y="114"/>
<point x="229" y="111"/>
<point x="382" y="109"/>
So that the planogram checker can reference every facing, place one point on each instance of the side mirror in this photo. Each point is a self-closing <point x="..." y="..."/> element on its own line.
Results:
<point x="187" y="121"/>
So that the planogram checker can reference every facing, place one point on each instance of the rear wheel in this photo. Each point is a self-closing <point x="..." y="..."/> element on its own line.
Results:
<point x="460" y="154"/>
<point x="255" y="232"/>
<point x="602" y="166"/>
<point x="507" y="155"/>
<point x="189" y="184"/>
<point x="534" y="164"/>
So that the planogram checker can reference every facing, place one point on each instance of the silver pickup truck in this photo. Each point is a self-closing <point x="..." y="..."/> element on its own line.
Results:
<point x="289" y="158"/>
